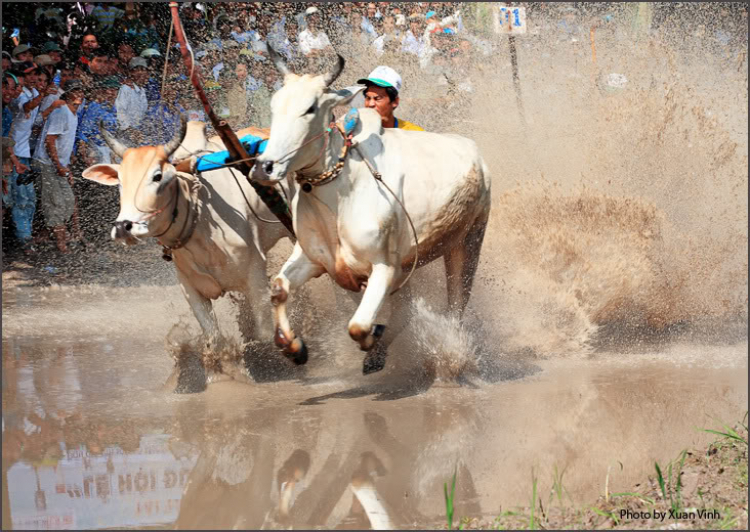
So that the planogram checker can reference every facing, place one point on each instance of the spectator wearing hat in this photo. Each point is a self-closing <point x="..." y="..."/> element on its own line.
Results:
<point x="7" y="61"/>
<point x="148" y="53"/>
<point x="131" y="102"/>
<point x="91" y="145"/>
<point x="46" y="64"/>
<point x="382" y="94"/>
<point x="23" y="53"/>
<point x="53" y="50"/>
<point x="52" y="158"/>
<point x="312" y="40"/>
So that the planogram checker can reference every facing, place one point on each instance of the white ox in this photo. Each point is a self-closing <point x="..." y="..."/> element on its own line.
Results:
<point x="352" y="227"/>
<point x="208" y="222"/>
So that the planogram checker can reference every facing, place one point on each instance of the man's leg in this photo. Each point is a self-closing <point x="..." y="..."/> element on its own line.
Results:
<point x="53" y="204"/>
<point x="60" y="235"/>
<point x="24" y="206"/>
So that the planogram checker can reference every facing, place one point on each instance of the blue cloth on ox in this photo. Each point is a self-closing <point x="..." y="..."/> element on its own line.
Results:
<point x="253" y="145"/>
<point x="351" y="120"/>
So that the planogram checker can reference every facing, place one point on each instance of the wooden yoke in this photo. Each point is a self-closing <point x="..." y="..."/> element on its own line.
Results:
<point x="269" y="195"/>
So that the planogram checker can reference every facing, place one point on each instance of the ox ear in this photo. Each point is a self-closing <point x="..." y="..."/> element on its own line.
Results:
<point x="343" y="96"/>
<point x="105" y="174"/>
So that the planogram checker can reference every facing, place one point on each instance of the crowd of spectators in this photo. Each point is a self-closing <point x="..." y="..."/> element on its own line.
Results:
<point x="74" y="66"/>
<point x="70" y="66"/>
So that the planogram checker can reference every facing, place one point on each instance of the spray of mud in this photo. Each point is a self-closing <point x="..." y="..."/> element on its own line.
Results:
<point x="620" y="209"/>
<point x="619" y="169"/>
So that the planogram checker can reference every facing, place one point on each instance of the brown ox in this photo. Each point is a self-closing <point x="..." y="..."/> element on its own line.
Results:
<point x="209" y="222"/>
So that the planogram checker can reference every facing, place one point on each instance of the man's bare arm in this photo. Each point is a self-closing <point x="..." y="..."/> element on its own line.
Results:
<point x="51" y="144"/>
<point x="55" y="105"/>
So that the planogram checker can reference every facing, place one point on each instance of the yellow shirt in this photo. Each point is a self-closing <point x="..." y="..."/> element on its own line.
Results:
<point x="408" y="126"/>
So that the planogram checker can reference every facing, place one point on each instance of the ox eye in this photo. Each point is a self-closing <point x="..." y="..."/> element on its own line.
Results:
<point x="157" y="177"/>
<point x="311" y="110"/>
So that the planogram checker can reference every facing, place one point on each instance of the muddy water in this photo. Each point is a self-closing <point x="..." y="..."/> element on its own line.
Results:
<point x="92" y="439"/>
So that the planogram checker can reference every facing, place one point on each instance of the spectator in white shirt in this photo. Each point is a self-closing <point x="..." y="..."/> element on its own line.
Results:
<point x="52" y="159"/>
<point x="415" y="42"/>
<point x="131" y="103"/>
<point x="389" y="34"/>
<point x="368" y="22"/>
<point x="25" y="108"/>
<point x="312" y="40"/>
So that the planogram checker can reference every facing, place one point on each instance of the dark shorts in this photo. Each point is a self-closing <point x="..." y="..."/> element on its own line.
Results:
<point x="58" y="200"/>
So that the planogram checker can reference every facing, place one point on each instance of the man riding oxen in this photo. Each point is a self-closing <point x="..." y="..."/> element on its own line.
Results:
<point x="210" y="223"/>
<point x="366" y="203"/>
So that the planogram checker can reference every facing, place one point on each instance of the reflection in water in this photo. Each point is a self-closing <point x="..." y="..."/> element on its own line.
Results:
<point x="90" y="441"/>
<point x="81" y="490"/>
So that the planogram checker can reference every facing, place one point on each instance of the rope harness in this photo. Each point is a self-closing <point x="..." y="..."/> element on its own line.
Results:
<point x="183" y="236"/>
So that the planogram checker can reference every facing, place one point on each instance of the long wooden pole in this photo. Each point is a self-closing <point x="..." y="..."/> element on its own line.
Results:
<point x="514" y="65"/>
<point x="237" y="152"/>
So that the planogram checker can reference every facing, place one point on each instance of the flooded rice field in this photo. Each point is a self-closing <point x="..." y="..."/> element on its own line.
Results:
<point x="92" y="438"/>
<point x="607" y="326"/>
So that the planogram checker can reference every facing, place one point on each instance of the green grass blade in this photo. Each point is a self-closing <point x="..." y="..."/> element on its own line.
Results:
<point x="660" y="478"/>
<point x="532" y="520"/>
<point x="679" y="479"/>
<point x="731" y="434"/>
<point x="449" y="500"/>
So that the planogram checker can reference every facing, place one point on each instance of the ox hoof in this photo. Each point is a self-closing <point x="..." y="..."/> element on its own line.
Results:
<point x="297" y="352"/>
<point x="374" y="361"/>
<point x="191" y="377"/>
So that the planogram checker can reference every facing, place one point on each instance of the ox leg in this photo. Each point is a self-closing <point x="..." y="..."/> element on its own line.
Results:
<point x="361" y="325"/>
<point x="461" y="264"/>
<point x="203" y="310"/>
<point x="295" y="272"/>
<point x="255" y="309"/>
<point x="401" y="317"/>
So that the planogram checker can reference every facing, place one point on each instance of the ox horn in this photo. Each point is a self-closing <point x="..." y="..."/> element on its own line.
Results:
<point x="278" y="61"/>
<point x="336" y="72"/>
<point x="179" y="136"/>
<point x="114" y="144"/>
